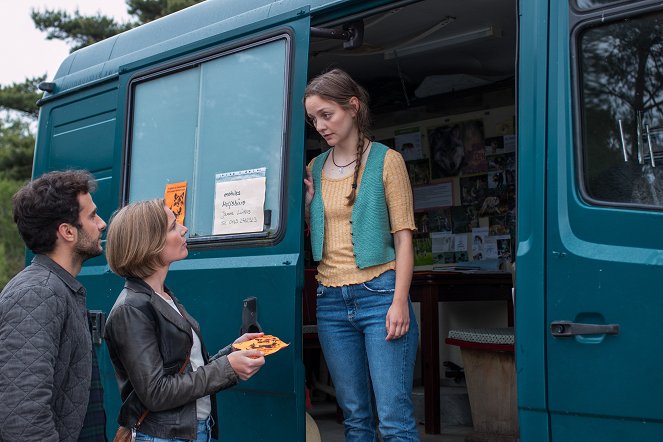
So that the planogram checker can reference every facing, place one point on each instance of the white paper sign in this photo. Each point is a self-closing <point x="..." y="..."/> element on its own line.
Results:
<point x="239" y="202"/>
<point x="442" y="242"/>
<point x="435" y="195"/>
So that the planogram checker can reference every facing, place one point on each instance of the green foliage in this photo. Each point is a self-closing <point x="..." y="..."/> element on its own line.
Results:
<point x="19" y="100"/>
<point x="22" y="97"/>
<point x="16" y="150"/>
<point x="76" y="29"/>
<point x="149" y="10"/>
<point x="83" y="30"/>
<point x="12" y="249"/>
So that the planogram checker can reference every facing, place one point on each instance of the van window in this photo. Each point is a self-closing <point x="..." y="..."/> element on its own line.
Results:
<point x="621" y="91"/>
<point x="218" y="116"/>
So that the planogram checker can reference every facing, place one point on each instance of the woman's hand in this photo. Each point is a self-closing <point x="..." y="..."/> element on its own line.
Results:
<point x="398" y="319"/>
<point x="246" y="363"/>
<point x="310" y="191"/>
<point x="247" y="337"/>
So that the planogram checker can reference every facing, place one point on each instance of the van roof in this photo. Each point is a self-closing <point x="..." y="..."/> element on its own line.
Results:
<point x="212" y="17"/>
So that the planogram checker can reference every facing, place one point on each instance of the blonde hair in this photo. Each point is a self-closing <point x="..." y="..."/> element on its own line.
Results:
<point x="136" y="237"/>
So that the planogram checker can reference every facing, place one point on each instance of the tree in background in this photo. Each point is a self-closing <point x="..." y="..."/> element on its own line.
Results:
<point x="19" y="103"/>
<point x="19" y="110"/>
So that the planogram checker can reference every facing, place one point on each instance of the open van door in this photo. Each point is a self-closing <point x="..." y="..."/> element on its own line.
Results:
<point x="603" y="240"/>
<point x="213" y="105"/>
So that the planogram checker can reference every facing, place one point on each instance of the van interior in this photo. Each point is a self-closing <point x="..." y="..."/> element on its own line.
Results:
<point x="433" y="70"/>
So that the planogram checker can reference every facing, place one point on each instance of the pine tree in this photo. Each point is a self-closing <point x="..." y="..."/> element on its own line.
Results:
<point x="18" y="103"/>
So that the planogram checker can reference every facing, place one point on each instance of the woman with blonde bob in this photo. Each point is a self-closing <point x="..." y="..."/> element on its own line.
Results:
<point x="156" y="347"/>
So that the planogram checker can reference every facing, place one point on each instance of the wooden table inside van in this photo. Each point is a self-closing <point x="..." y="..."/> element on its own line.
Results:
<point x="429" y="288"/>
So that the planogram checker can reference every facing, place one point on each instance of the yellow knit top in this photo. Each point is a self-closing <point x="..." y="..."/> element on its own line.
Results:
<point x="338" y="267"/>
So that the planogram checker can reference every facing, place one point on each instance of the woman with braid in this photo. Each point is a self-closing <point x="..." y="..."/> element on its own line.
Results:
<point x="359" y="208"/>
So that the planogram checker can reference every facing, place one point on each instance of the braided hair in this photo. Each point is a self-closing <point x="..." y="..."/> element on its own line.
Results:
<point x="337" y="86"/>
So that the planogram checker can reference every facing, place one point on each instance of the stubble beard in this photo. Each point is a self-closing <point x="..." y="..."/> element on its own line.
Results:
<point x="86" y="247"/>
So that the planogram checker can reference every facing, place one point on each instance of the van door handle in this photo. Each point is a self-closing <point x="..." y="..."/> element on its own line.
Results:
<point x="561" y="329"/>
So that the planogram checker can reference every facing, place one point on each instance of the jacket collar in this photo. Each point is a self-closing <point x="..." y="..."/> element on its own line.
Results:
<point x="74" y="285"/>
<point x="183" y="322"/>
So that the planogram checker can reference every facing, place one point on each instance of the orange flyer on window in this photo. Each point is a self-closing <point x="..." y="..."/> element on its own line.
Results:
<point x="267" y="344"/>
<point x="175" y="197"/>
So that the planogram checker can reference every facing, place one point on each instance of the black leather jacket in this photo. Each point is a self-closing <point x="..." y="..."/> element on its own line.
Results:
<point x="148" y="344"/>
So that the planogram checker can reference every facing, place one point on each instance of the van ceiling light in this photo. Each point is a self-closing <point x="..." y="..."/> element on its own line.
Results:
<point x="441" y="84"/>
<point x="452" y="40"/>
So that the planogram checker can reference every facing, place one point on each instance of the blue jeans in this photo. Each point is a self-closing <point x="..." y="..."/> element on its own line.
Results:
<point x="203" y="434"/>
<point x="352" y="332"/>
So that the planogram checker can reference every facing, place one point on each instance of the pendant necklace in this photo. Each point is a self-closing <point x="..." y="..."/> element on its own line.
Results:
<point x="341" y="169"/>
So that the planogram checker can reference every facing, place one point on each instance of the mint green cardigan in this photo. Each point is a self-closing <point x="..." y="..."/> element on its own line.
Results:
<point x="371" y="230"/>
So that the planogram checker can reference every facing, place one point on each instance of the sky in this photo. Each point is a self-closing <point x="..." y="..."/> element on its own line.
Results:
<point x="25" y="51"/>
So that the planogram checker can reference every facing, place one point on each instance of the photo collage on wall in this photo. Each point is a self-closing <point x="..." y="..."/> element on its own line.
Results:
<point x="475" y="229"/>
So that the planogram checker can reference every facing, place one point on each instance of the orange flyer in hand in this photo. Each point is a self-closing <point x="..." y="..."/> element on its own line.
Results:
<point x="267" y="344"/>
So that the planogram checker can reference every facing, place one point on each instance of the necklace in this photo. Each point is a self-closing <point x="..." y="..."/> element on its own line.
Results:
<point x="341" y="169"/>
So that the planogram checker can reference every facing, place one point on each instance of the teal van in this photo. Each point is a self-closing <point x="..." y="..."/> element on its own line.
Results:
<point x="215" y="90"/>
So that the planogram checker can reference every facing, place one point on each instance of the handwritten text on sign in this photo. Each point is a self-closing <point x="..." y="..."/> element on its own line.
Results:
<point x="239" y="206"/>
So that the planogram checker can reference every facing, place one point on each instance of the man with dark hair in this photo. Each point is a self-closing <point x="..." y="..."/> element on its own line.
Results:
<point x="47" y="363"/>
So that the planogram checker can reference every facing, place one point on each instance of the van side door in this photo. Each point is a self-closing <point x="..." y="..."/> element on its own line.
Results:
<point x="209" y="117"/>
<point x="604" y="202"/>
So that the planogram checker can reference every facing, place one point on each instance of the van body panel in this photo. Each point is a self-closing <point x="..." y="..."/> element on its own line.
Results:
<point x="530" y="257"/>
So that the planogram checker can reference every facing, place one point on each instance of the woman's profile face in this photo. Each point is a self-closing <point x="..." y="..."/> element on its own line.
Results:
<point x="332" y="121"/>
<point x="175" y="247"/>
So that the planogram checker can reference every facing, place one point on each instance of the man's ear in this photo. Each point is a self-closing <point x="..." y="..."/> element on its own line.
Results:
<point x="67" y="232"/>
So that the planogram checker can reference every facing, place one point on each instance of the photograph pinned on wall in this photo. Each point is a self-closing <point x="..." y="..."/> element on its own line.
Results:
<point x="479" y="235"/>
<point x="503" y="248"/>
<point x="506" y="126"/>
<point x="439" y="220"/>
<point x="490" y="248"/>
<point x="494" y="145"/>
<point x="497" y="180"/>
<point x="510" y="176"/>
<point x="510" y="141"/>
<point x="460" y="221"/>
<point x="443" y="247"/>
<point x="472" y="216"/>
<point x="444" y="258"/>
<point x="446" y="151"/>
<point x="460" y="247"/>
<point x="493" y="205"/>
<point x="408" y="143"/>
<point x="499" y="201"/>
<point x="418" y="171"/>
<point x="473" y="189"/>
<point x="423" y="255"/>
<point x="505" y="161"/>
<point x="421" y="220"/>
<point x="461" y="256"/>
<point x="464" y="219"/>
<point x="499" y="225"/>
<point x="510" y="220"/>
<point x="474" y="147"/>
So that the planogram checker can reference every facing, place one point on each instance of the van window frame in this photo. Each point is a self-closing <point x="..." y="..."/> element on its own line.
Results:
<point x="242" y="240"/>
